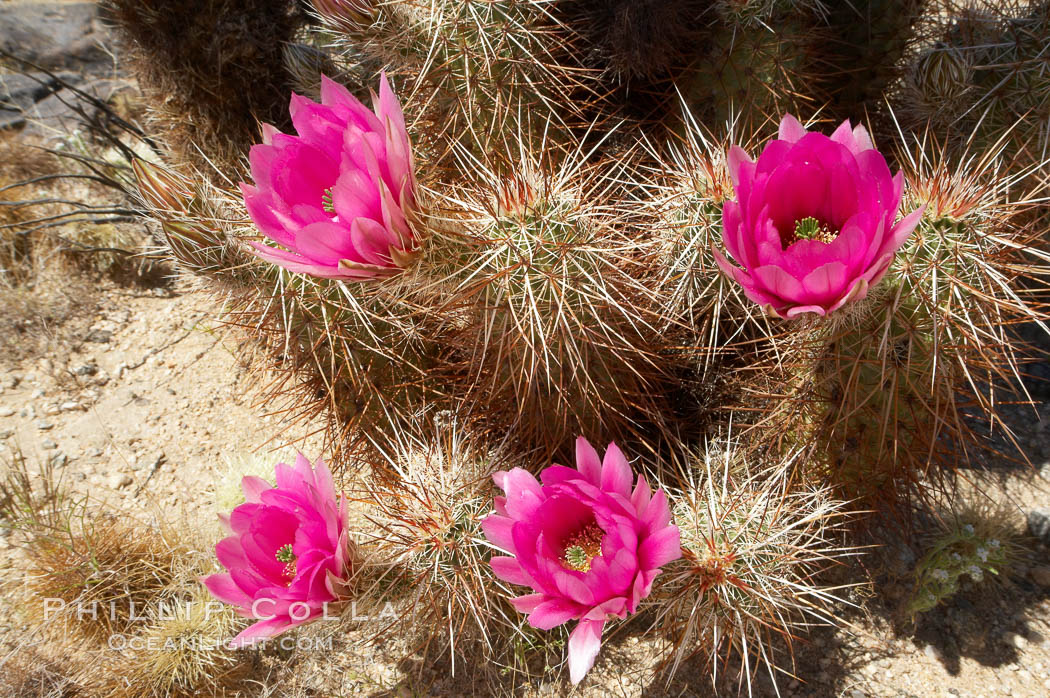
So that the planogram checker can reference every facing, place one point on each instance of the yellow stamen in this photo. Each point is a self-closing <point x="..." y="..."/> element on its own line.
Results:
<point x="583" y="547"/>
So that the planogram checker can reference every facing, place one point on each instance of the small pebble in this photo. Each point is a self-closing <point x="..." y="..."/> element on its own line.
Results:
<point x="932" y="652"/>
<point x="6" y="411"/>
<point x="6" y="434"/>
<point x="85" y="370"/>
<point x="38" y="393"/>
<point x="44" y="425"/>
<point x="1014" y="640"/>
<point x="119" y="481"/>
<point x="48" y="445"/>
<point x="1040" y="574"/>
<point x="70" y="406"/>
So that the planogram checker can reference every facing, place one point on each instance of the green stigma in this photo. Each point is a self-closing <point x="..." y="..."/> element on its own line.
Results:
<point x="807" y="229"/>
<point x="576" y="558"/>
<point x="326" y="201"/>
<point x="284" y="554"/>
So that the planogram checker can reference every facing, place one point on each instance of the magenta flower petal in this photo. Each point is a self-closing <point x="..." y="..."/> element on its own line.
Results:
<point x="814" y="215"/>
<point x="790" y="129"/>
<point x="616" y="472"/>
<point x="289" y="542"/>
<point x="553" y="612"/>
<point x="339" y="197"/>
<point x="224" y="589"/>
<point x="584" y="540"/>
<point x="527" y="603"/>
<point x="263" y="630"/>
<point x="584" y="643"/>
<point x="587" y="461"/>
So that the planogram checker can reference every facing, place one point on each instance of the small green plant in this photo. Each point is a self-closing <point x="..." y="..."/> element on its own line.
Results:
<point x="962" y="551"/>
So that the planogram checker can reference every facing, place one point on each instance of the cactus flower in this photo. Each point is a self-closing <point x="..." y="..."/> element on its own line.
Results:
<point x="288" y="555"/>
<point x="812" y="226"/>
<point x="588" y="545"/>
<point x="340" y="196"/>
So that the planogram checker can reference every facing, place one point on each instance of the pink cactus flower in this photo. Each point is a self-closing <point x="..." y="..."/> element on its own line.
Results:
<point x="289" y="555"/>
<point x="588" y="545"/>
<point x="813" y="224"/>
<point x="341" y="196"/>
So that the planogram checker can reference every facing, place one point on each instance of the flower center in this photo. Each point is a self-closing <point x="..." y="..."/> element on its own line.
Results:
<point x="284" y="554"/>
<point x="811" y="228"/>
<point x="326" y="201"/>
<point x="583" y="547"/>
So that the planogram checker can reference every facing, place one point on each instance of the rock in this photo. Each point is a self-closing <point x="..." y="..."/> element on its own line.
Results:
<point x="6" y="411"/>
<point x="150" y="462"/>
<point x="60" y="112"/>
<point x="1040" y="574"/>
<point x="79" y="477"/>
<point x="1039" y="524"/>
<point x="932" y="652"/>
<point x="52" y="34"/>
<point x="36" y="394"/>
<point x="93" y="452"/>
<point x="59" y="460"/>
<point x="120" y="481"/>
<point x="27" y="412"/>
<point x="48" y="445"/>
<point x="70" y="406"/>
<point x="1011" y="639"/>
<point x="44" y="425"/>
<point x="85" y="370"/>
<point x="99" y="336"/>
<point x="6" y="434"/>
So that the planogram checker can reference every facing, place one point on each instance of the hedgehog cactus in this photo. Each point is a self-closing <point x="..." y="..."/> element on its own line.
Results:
<point x="485" y="70"/>
<point x="544" y="229"/>
<point x="990" y="58"/>
<point x="753" y="547"/>
<point x="886" y="385"/>
<point x="552" y="320"/>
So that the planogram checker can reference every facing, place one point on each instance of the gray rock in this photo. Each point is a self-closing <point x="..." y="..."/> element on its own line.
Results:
<point x="59" y="460"/>
<point x="20" y="91"/>
<point x="6" y="434"/>
<point x="44" y="425"/>
<point x="60" y="112"/>
<point x="53" y="35"/>
<point x="48" y="445"/>
<point x="6" y="411"/>
<point x="1039" y="524"/>
<point x="99" y="336"/>
<point x="85" y="370"/>
<point x="70" y="406"/>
